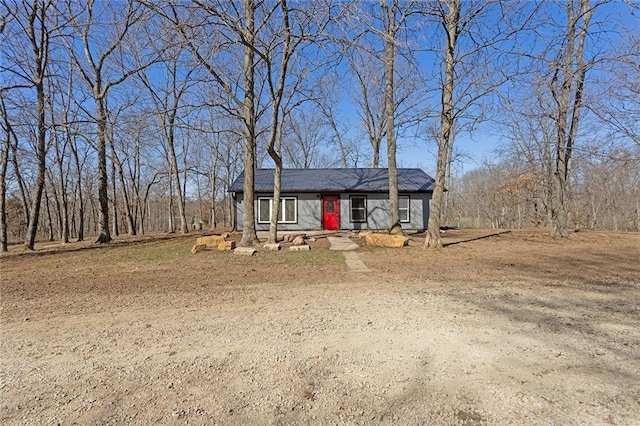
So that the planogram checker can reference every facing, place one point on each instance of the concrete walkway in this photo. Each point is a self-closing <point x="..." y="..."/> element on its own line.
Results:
<point x="354" y="262"/>
<point x="352" y="258"/>
<point x="341" y="243"/>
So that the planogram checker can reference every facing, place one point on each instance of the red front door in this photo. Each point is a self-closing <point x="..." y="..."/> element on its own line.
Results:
<point x="330" y="212"/>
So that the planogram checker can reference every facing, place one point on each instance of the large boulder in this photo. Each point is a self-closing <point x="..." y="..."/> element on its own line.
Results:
<point x="288" y="238"/>
<point x="226" y="246"/>
<point x="386" y="240"/>
<point x="211" y="240"/>
<point x="198" y="248"/>
<point x="245" y="251"/>
<point x="272" y="247"/>
<point x="300" y="248"/>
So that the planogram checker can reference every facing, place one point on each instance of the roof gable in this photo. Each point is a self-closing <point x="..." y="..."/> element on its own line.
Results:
<point x="338" y="180"/>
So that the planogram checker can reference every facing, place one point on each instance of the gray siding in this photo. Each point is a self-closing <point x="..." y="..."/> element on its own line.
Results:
<point x="310" y="212"/>
<point x="378" y="211"/>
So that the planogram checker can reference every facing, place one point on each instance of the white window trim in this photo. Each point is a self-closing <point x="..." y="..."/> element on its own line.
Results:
<point x="351" y="209"/>
<point x="281" y="211"/>
<point x="408" y="209"/>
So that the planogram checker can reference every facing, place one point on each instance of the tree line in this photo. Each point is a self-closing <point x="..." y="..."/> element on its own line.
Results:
<point x="136" y="116"/>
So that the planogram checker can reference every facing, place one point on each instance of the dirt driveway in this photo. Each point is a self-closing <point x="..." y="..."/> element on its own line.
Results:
<point x="512" y="329"/>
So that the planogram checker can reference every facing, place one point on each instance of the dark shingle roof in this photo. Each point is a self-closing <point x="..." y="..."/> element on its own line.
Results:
<point x="338" y="180"/>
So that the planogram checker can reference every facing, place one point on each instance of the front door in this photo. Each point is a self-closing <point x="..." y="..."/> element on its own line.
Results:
<point x="330" y="212"/>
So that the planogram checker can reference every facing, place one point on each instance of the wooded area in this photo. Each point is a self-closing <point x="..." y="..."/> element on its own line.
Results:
<point x="136" y="116"/>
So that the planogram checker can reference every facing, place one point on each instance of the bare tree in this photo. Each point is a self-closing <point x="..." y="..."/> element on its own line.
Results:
<point x="369" y="98"/>
<point x="32" y="23"/>
<point x="567" y="89"/>
<point x="376" y="40"/>
<point x="473" y="67"/>
<point x="326" y="103"/>
<point x="4" y="163"/>
<point x="277" y="76"/>
<point x="391" y="25"/>
<point x="236" y="23"/>
<point x="617" y="105"/>
<point x="450" y="15"/>
<point x="100" y="66"/>
<point x="525" y="125"/>
<point x="306" y="136"/>
<point x="167" y="100"/>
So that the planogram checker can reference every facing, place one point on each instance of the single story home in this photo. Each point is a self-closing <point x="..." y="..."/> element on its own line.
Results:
<point x="332" y="199"/>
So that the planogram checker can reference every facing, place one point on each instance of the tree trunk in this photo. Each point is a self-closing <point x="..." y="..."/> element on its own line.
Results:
<point x="176" y="178"/>
<point x="433" y="239"/>
<point x="24" y="193"/>
<point x="389" y="20"/>
<point x="4" y="165"/>
<point x="41" y="155"/>
<point x="249" y="235"/>
<point x="62" y="187"/>
<point x="103" y="179"/>
<point x="115" y="231"/>
<point x="567" y="129"/>
<point x="58" y="203"/>
<point x="49" y="218"/>
<point x="172" y="225"/>
<point x="275" y="211"/>
<point x="117" y="166"/>
<point x="4" y="162"/>
<point x="213" y="181"/>
<point x="79" y="194"/>
<point x="376" y="154"/>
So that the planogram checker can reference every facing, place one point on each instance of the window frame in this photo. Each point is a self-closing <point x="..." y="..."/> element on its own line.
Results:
<point x="281" y="211"/>
<point x="351" y="209"/>
<point x="408" y="208"/>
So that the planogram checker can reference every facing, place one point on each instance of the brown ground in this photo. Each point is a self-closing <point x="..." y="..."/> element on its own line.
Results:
<point x="511" y="329"/>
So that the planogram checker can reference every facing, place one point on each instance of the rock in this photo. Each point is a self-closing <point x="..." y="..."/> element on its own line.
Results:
<point x="198" y="248"/>
<point x="245" y="251"/>
<point x="288" y="238"/>
<point x="272" y="247"/>
<point x="363" y="234"/>
<point x="385" y="240"/>
<point x="210" y="241"/>
<point x="300" y="248"/>
<point x="227" y="246"/>
<point x="396" y="230"/>
<point x="298" y="241"/>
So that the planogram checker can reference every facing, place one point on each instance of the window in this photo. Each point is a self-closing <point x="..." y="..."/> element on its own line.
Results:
<point x="358" y="208"/>
<point x="331" y="208"/>
<point x="288" y="210"/>
<point x="264" y="210"/>
<point x="403" y="207"/>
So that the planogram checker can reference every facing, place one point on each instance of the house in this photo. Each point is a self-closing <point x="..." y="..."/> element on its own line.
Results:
<point x="331" y="199"/>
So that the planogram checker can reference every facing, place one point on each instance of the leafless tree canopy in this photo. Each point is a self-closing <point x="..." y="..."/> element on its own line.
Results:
<point x="137" y="116"/>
